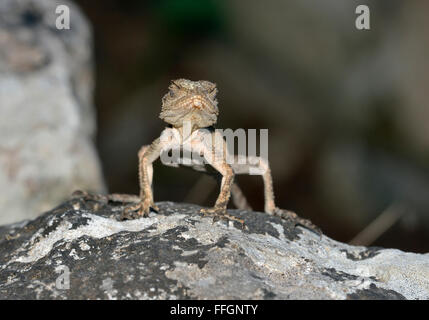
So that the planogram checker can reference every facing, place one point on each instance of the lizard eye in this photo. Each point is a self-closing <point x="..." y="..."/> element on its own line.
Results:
<point x="172" y="94"/>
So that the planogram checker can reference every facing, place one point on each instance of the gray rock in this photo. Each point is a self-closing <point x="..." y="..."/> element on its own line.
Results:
<point x="46" y="110"/>
<point x="179" y="254"/>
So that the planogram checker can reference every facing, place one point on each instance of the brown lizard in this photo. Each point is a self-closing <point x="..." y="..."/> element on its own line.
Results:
<point x="194" y="103"/>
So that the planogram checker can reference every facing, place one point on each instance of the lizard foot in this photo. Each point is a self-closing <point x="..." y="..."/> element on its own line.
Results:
<point x="138" y="210"/>
<point x="221" y="214"/>
<point x="290" y="215"/>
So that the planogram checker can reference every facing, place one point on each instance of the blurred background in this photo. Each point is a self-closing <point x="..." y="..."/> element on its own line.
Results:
<point x="346" y="109"/>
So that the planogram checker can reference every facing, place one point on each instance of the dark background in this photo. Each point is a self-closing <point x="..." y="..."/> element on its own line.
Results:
<point x="346" y="109"/>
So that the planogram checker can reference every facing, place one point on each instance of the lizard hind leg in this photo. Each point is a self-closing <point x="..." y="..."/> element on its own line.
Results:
<point x="113" y="197"/>
<point x="130" y="202"/>
<point x="298" y="221"/>
<point x="239" y="199"/>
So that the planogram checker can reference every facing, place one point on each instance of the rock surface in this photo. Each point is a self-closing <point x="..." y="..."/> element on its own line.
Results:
<point x="179" y="254"/>
<point x="46" y="110"/>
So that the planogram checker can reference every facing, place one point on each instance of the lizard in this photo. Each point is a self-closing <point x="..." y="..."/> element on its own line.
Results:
<point x="195" y="103"/>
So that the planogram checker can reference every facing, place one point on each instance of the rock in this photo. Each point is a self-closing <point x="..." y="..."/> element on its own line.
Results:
<point x="179" y="254"/>
<point x="46" y="110"/>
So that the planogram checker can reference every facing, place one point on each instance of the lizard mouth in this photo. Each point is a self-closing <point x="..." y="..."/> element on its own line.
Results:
<point x="201" y="104"/>
<point x="196" y="108"/>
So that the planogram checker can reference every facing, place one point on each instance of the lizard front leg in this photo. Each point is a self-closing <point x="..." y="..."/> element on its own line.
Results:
<point x="147" y="155"/>
<point x="217" y="160"/>
<point x="218" y="211"/>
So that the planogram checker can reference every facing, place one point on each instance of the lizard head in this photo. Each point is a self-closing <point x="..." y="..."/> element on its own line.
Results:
<point x="193" y="101"/>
